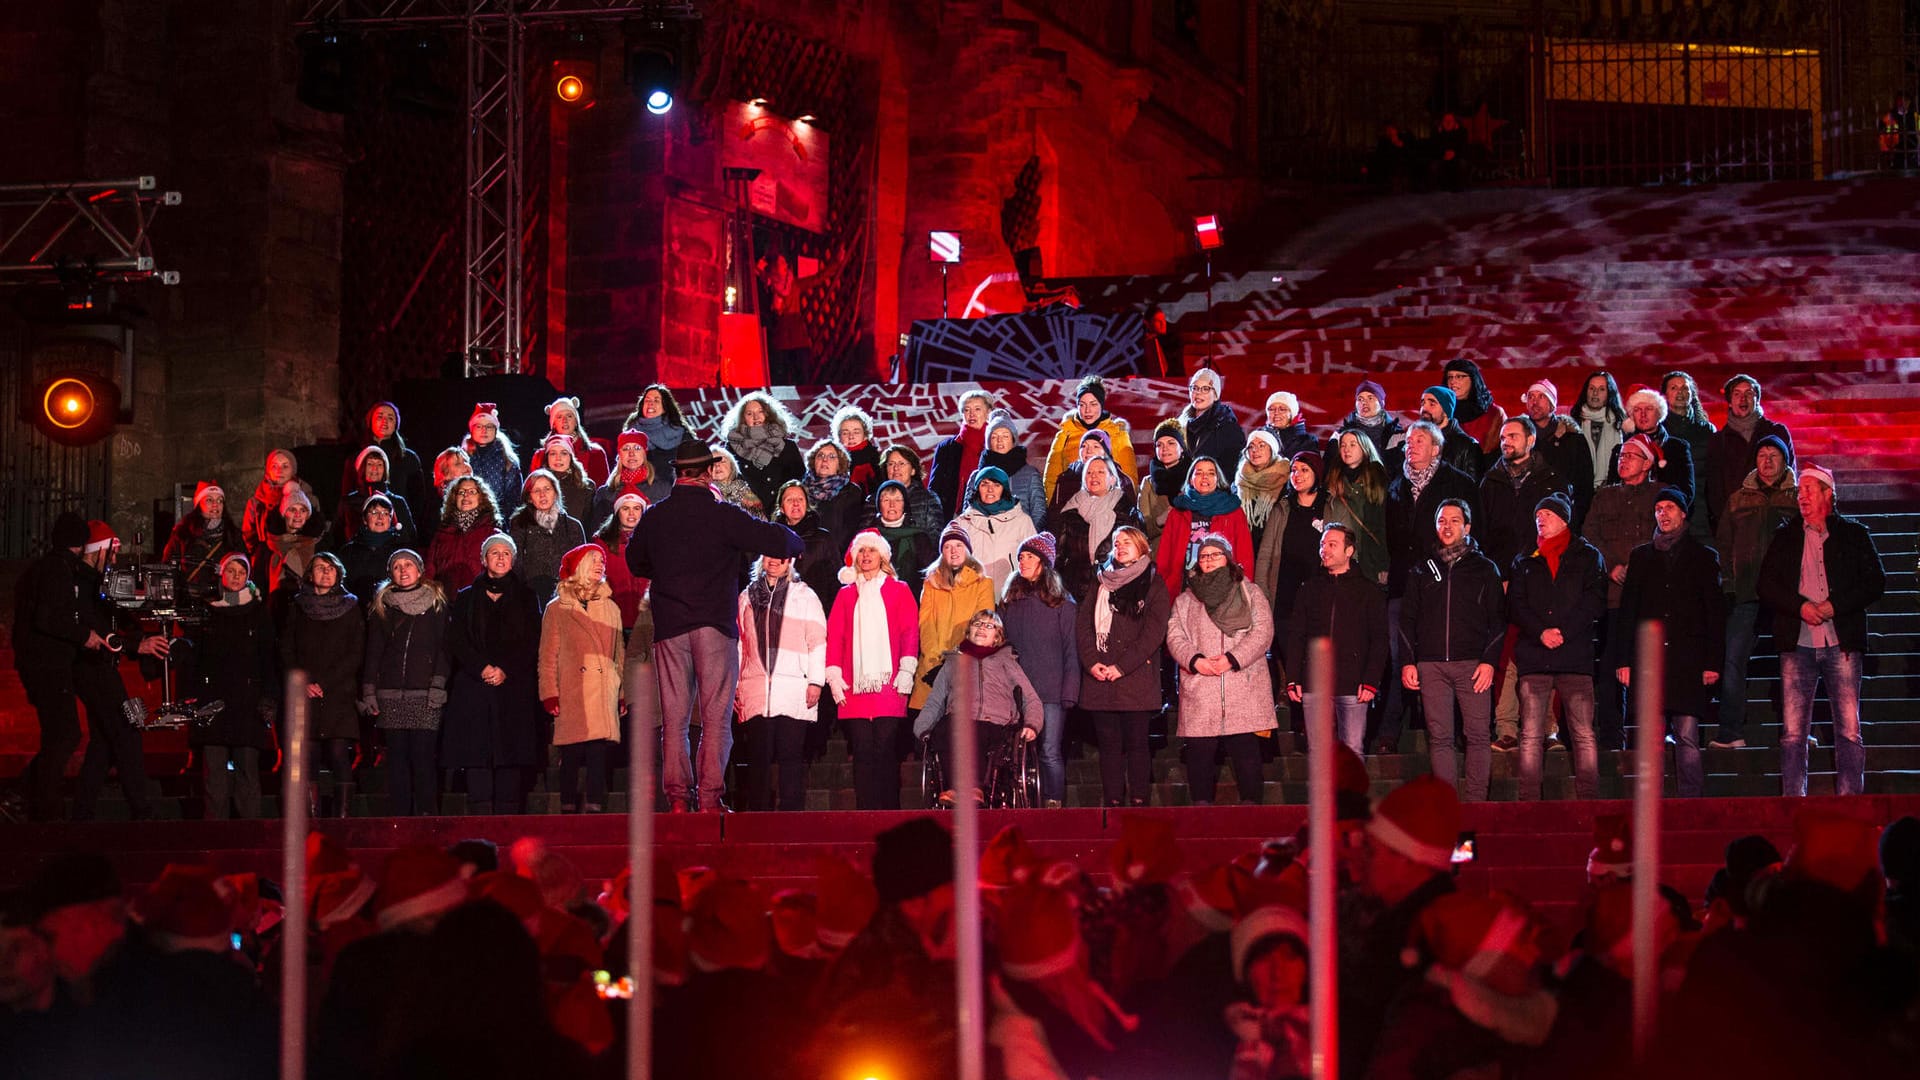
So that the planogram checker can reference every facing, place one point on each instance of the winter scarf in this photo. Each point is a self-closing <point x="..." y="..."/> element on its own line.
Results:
<point x="872" y="647"/>
<point x="326" y="606"/>
<point x="416" y="599"/>
<point x="1220" y="592"/>
<point x="1745" y="426"/>
<point x="1450" y="553"/>
<point x="661" y="433"/>
<point x="979" y="652"/>
<point x="1099" y="512"/>
<point x="1375" y="429"/>
<point x="973" y="443"/>
<point x="494" y="586"/>
<point x="1112" y="580"/>
<point x="1664" y="541"/>
<point x="757" y="444"/>
<point x="1010" y="462"/>
<point x="740" y="493"/>
<point x="464" y="520"/>
<point x="1005" y="502"/>
<point x="768" y="599"/>
<point x="1216" y="503"/>
<point x="1169" y="480"/>
<point x="1260" y="489"/>
<point x="546" y="519"/>
<point x="1422" y="477"/>
<point x="1553" y="547"/>
<point x="247" y="595"/>
<point x="822" y="489"/>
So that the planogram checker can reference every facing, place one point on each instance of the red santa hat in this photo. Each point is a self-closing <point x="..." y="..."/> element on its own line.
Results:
<point x="571" y="560"/>
<point x="865" y="538"/>
<point x="1835" y="849"/>
<point x="1612" y="854"/>
<point x="1213" y="896"/>
<point x="846" y="902"/>
<point x="100" y="536"/>
<point x="1646" y="446"/>
<point x="564" y="442"/>
<point x="727" y="928"/>
<point x="360" y="459"/>
<point x="484" y="412"/>
<point x="1145" y="853"/>
<point x="1008" y="860"/>
<point x="1547" y="390"/>
<point x="1040" y="943"/>
<point x="632" y="438"/>
<point x="1810" y="471"/>
<point x="1478" y="935"/>
<point x="1419" y="820"/>
<point x="420" y="880"/>
<point x="205" y="490"/>
<point x="335" y="897"/>
<point x="184" y="910"/>
<point x="631" y="498"/>
<point x="796" y="924"/>
<point x="1263" y="922"/>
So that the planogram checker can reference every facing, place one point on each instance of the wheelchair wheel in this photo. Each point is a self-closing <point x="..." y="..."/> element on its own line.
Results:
<point x="1026" y="776"/>
<point x="932" y="776"/>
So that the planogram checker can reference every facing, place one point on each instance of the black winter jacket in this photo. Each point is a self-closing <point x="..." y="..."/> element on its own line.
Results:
<point x="690" y="546"/>
<point x="1353" y="612"/>
<point x="1456" y="612"/>
<point x="1854" y="580"/>
<point x="1504" y="525"/>
<point x="1681" y="588"/>
<point x="1571" y="602"/>
<point x="1135" y="645"/>
<point x="1410" y="536"/>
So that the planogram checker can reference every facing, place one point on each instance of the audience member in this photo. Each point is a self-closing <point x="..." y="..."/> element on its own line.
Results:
<point x="1749" y="521"/>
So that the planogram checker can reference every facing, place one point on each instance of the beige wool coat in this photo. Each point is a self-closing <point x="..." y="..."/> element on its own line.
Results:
<point x="581" y="663"/>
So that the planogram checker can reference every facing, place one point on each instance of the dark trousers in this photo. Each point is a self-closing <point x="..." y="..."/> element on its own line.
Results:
<point x="775" y="742"/>
<point x="494" y="790"/>
<point x="112" y="743"/>
<point x="591" y="756"/>
<point x="59" y="712"/>
<point x="1203" y="766"/>
<point x="1609" y="697"/>
<point x="987" y="738"/>
<point x="876" y="768"/>
<point x="232" y="775"/>
<point x="1126" y="770"/>
<point x="1390" y="708"/>
<point x="337" y="756"/>
<point x="413" y="759"/>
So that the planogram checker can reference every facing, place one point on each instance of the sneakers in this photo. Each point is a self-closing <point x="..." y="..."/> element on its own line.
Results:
<point x="1053" y="804"/>
<point x="1506" y="744"/>
<point x="1727" y="744"/>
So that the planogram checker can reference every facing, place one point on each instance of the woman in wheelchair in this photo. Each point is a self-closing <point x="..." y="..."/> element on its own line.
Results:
<point x="1008" y="707"/>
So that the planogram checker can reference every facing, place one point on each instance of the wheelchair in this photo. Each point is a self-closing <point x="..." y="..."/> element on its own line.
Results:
<point x="1012" y="779"/>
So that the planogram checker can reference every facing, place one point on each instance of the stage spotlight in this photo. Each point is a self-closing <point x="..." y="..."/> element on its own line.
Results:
<point x="1206" y="230"/>
<point x="659" y="102"/>
<point x="660" y="55"/>
<point x="570" y="88"/>
<point x="75" y="408"/>
<point x="573" y="87"/>
<point x="328" y="64"/>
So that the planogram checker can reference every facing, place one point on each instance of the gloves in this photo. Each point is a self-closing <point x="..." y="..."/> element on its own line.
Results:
<point x="837" y="683"/>
<point x="552" y="705"/>
<point x="903" y="682"/>
<point x="436" y="698"/>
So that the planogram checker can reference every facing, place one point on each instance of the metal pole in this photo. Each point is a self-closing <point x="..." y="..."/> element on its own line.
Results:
<point x="1321" y="925"/>
<point x="643" y="720"/>
<point x="943" y="290"/>
<point x="969" y="977"/>
<point x="293" y="882"/>
<point x="1649" y="703"/>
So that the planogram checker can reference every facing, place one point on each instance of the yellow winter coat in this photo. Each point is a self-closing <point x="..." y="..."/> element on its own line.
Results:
<point x="581" y="662"/>
<point x="1066" y="447"/>
<point x="944" y="614"/>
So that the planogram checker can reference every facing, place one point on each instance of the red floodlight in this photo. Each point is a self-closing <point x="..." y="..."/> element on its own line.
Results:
<point x="1206" y="229"/>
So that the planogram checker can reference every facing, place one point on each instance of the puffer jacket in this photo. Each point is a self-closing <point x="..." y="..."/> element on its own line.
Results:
<point x="945" y="611"/>
<point x="1747" y="524"/>
<point x="1066" y="446"/>
<point x="997" y="539"/>
<point x="799" y="661"/>
<point x="1239" y="701"/>
<point x="1007" y="696"/>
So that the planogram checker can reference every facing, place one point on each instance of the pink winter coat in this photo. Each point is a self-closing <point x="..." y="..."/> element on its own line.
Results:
<point x="903" y="634"/>
<point x="800" y="658"/>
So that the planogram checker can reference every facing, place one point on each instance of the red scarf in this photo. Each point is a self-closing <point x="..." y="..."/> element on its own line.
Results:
<point x="1553" y="547"/>
<point x="973" y="441"/>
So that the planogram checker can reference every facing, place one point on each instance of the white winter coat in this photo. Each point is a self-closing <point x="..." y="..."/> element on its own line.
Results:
<point x="996" y="540"/>
<point x="799" y="662"/>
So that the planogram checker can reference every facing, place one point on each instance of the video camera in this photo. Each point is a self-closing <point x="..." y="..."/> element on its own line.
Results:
<point x="155" y="591"/>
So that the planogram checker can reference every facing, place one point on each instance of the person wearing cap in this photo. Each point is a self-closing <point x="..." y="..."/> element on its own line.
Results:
<point x="470" y="514"/>
<point x="234" y="660"/>
<point x="543" y="530"/>
<point x="203" y="537"/>
<point x="1370" y="415"/>
<point x="1286" y="424"/>
<point x="260" y="519"/>
<point x="324" y="635"/>
<point x="901" y="464"/>
<point x="1405" y="865"/>
<point x="60" y="627"/>
<point x="630" y="593"/>
<point x="1340" y="604"/>
<point x="406" y="476"/>
<point x="1206" y="505"/>
<point x="1218" y="632"/>
<point x="1166" y="479"/>
<point x="1818" y="578"/>
<point x="1475" y="412"/>
<point x="563" y="419"/>
<point x="297" y="535"/>
<point x="873" y="654"/>
<point x="403" y="680"/>
<point x="1647" y="414"/>
<point x="1749" y="521"/>
<point x="577" y="488"/>
<point x="733" y="488"/>
<point x="374" y="542"/>
<point x="1211" y="429"/>
<point x="1088" y="412"/>
<point x="912" y="545"/>
<point x="957" y="457"/>
<point x="1261" y="481"/>
<point x="783" y="671"/>
<point x="1560" y="441"/>
<point x="371" y="473"/>
<point x="1555" y="597"/>
<point x="1038" y="613"/>
<point x="1620" y="520"/>
<point x="994" y="523"/>
<point x="1675" y="579"/>
<point x="1024" y="482"/>
<point x="582" y="675"/>
<point x="952" y="590"/>
<point x="492" y="455"/>
<point x="694" y="590"/>
<point x="1415" y="491"/>
<point x="491" y="725"/>
<point x="1457" y="448"/>
<point x="1734" y="451"/>
<point x="1452" y="628"/>
<point x="633" y="474"/>
<point x="1085" y="524"/>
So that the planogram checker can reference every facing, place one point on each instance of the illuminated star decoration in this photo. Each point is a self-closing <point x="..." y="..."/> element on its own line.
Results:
<point x="1480" y="128"/>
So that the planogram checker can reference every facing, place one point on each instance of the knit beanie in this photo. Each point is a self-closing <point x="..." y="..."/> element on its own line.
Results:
<point x="1558" y="505"/>
<point x="1368" y="386"/>
<point x="1043" y="545"/>
<point x="953" y="531"/>
<point x="1171" y="429"/>
<point x="1675" y="496"/>
<point x="1092" y="384"/>
<point x="1448" y="402"/>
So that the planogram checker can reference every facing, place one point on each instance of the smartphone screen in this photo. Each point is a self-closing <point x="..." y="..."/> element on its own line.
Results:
<point x="1464" y="851"/>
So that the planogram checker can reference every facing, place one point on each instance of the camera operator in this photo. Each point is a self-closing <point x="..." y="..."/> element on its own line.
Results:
<point x="65" y="649"/>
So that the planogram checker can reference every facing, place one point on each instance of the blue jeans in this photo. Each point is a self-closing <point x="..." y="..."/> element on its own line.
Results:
<point x="1801" y="669"/>
<point x="1349" y="719"/>
<point x="1743" y="632"/>
<point x="699" y="671"/>
<point x="1053" y="761"/>
<point x="1536" y="695"/>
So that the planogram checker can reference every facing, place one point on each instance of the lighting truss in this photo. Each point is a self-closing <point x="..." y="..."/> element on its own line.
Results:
<point x="98" y="229"/>
<point x="496" y="99"/>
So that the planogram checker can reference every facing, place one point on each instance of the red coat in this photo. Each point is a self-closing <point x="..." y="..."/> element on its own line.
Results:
<point x="629" y="588"/>
<point x="454" y="559"/>
<point x="1172" y="557"/>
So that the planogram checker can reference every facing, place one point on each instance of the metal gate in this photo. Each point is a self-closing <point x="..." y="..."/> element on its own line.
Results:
<point x="39" y="478"/>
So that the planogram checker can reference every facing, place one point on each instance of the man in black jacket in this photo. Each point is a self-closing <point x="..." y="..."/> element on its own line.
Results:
<point x="1513" y="486"/>
<point x="1733" y="451"/>
<point x="1820" y="575"/>
<point x="1451" y="628"/>
<point x="1458" y="449"/>
<point x="1555" y="597"/>
<point x="1342" y="605"/>
<point x="1414" y="495"/>
<point x="1675" y="579"/>
<point x="691" y="546"/>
